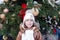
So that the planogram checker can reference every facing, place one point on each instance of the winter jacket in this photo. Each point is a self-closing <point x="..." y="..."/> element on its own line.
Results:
<point x="36" y="33"/>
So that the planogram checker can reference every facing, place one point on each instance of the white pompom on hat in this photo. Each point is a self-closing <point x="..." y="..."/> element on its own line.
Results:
<point x="28" y="11"/>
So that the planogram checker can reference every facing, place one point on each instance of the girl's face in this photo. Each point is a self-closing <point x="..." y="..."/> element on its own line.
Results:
<point x="29" y="23"/>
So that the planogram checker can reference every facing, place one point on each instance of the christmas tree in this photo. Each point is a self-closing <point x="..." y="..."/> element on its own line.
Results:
<point x="9" y="10"/>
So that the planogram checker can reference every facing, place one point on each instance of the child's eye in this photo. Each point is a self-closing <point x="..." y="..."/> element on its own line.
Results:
<point x="31" y="20"/>
<point x="27" y="20"/>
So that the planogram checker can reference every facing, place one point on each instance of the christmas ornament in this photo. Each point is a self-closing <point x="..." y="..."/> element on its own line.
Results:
<point x="6" y="0"/>
<point x="43" y="28"/>
<point x="5" y="10"/>
<point x="1" y="1"/>
<point x="22" y="11"/>
<point x="59" y="12"/>
<point x="54" y="17"/>
<point x="24" y="6"/>
<point x="21" y="14"/>
<point x="35" y="8"/>
<point x="35" y="11"/>
<point x="13" y="17"/>
<point x="2" y="16"/>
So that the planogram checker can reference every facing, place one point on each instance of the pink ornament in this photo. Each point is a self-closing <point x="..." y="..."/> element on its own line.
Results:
<point x="35" y="11"/>
<point x="5" y="10"/>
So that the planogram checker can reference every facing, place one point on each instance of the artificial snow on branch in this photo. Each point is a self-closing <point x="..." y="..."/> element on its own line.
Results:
<point x="1" y="1"/>
<point x="52" y="2"/>
<point x="57" y="2"/>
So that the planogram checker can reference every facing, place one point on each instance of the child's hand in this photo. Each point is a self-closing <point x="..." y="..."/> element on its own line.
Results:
<point x="22" y="29"/>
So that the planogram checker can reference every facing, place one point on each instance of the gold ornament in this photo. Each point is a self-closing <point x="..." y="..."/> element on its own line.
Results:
<point x="5" y="10"/>
<point x="5" y="0"/>
<point x="59" y="12"/>
<point x="35" y="11"/>
<point x="2" y="16"/>
<point x="54" y="16"/>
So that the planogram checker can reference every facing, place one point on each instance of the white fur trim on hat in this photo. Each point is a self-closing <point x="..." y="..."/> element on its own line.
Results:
<point x="29" y="16"/>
